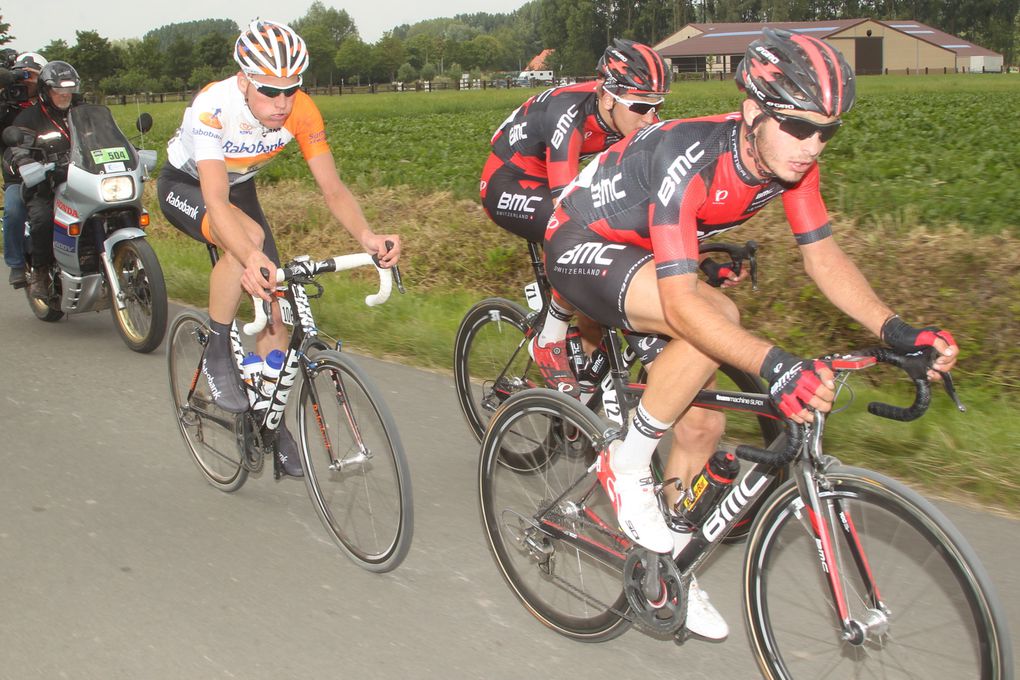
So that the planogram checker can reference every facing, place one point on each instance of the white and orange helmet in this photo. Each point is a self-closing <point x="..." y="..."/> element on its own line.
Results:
<point x="269" y="48"/>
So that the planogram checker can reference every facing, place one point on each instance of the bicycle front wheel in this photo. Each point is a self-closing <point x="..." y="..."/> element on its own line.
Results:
<point x="209" y="432"/>
<point x="490" y="360"/>
<point x="548" y="522"/>
<point x="920" y="602"/>
<point x="355" y="469"/>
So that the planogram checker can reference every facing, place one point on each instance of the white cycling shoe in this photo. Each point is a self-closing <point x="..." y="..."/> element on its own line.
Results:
<point x="703" y="619"/>
<point x="637" y="508"/>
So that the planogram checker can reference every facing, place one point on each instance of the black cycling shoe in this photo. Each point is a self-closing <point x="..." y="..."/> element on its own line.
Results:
<point x="17" y="277"/>
<point x="287" y="454"/>
<point x="223" y="377"/>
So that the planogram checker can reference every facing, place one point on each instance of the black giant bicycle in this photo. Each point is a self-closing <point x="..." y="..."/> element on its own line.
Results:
<point x="356" y="472"/>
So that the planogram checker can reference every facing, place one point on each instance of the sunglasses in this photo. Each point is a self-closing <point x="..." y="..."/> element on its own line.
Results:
<point x="640" y="108"/>
<point x="802" y="128"/>
<point x="274" y="92"/>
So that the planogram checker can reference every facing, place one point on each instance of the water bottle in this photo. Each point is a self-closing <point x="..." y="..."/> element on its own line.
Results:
<point x="251" y="367"/>
<point x="271" y="372"/>
<point x="707" y="487"/>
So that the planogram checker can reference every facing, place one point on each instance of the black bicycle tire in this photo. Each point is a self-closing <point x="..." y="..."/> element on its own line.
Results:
<point x="226" y="483"/>
<point x="609" y="624"/>
<point x="917" y="513"/>
<point x="476" y="317"/>
<point x="398" y="548"/>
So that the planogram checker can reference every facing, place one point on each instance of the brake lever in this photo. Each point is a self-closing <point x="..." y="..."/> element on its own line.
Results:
<point x="397" y="279"/>
<point x="947" y="382"/>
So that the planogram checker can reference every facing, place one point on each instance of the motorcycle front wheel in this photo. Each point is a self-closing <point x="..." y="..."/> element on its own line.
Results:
<point x="48" y="309"/>
<point x="142" y="321"/>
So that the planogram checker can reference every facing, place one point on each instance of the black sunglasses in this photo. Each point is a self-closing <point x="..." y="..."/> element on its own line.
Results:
<point x="802" y="128"/>
<point x="274" y="92"/>
<point x="640" y="108"/>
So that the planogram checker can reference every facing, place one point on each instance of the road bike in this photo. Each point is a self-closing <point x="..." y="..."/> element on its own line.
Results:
<point x="847" y="572"/>
<point x="355" y="469"/>
<point x="491" y="360"/>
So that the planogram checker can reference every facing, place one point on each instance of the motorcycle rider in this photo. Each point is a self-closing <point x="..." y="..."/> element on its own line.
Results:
<point x="47" y="119"/>
<point x="16" y="96"/>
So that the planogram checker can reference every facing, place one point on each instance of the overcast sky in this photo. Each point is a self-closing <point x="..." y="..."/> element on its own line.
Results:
<point x="34" y="23"/>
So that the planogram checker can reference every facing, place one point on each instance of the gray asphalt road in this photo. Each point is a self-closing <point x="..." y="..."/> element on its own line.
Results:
<point x="119" y="561"/>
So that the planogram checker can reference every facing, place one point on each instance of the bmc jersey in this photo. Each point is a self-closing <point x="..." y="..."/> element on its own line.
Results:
<point x="678" y="182"/>
<point x="546" y="137"/>
<point x="219" y="126"/>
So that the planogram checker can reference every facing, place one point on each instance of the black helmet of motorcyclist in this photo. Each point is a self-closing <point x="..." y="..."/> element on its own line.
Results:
<point x="60" y="78"/>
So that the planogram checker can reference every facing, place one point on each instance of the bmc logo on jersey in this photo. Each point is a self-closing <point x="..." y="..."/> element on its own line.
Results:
<point x="517" y="202"/>
<point x="589" y="253"/>
<point x="517" y="133"/>
<point x="677" y="170"/>
<point x="563" y="126"/>
<point x="607" y="190"/>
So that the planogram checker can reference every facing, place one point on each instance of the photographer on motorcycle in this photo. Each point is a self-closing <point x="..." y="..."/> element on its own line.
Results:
<point x="47" y="119"/>
<point x="19" y="75"/>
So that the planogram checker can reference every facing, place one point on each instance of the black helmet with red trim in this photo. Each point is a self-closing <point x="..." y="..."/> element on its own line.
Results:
<point x="787" y="71"/>
<point x="630" y="67"/>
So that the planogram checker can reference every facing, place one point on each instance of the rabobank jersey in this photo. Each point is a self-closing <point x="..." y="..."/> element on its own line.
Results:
<point x="219" y="126"/>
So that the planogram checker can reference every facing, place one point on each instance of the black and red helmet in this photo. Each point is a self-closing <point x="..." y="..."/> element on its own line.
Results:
<point x="787" y="71"/>
<point x="630" y="67"/>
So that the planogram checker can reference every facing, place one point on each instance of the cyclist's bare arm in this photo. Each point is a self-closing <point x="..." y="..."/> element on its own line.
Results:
<point x="229" y="230"/>
<point x="842" y="283"/>
<point x="344" y="207"/>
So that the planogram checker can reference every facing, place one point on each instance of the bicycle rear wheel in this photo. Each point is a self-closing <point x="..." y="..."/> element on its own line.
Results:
<point x="209" y="432"/>
<point x="490" y="360"/>
<point x="938" y="615"/>
<point x="548" y="523"/>
<point x="355" y="469"/>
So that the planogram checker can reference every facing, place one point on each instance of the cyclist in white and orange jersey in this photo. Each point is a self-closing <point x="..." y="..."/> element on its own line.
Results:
<point x="232" y="128"/>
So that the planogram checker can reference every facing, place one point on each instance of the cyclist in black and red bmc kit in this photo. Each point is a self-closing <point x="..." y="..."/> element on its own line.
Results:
<point x="623" y="247"/>
<point x="536" y="152"/>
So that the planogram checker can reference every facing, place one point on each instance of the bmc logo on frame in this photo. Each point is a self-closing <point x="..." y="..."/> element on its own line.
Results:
<point x="592" y="252"/>
<point x="517" y="202"/>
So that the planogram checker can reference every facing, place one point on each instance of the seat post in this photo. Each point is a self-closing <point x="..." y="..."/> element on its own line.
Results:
<point x="214" y="254"/>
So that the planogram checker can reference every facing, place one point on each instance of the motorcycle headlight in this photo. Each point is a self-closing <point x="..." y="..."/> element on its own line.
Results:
<point x="115" y="189"/>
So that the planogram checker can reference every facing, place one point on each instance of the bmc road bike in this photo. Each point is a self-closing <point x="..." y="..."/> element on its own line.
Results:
<point x="354" y="465"/>
<point x="847" y="573"/>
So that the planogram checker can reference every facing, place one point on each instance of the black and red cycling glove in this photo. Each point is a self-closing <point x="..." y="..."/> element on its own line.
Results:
<point x="903" y="337"/>
<point x="792" y="380"/>
<point x="718" y="273"/>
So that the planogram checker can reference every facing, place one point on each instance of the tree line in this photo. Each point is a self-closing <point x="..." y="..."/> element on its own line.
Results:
<point x="187" y="55"/>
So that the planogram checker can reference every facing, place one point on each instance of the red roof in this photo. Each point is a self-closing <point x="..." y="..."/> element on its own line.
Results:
<point x="538" y="63"/>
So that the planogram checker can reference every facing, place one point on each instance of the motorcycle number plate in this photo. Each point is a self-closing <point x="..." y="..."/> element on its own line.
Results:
<point x="533" y="296"/>
<point x="110" y="155"/>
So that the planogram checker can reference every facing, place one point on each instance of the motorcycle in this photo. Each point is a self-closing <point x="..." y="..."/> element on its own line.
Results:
<point x="103" y="259"/>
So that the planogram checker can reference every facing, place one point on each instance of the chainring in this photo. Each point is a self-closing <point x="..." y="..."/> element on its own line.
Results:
<point x="655" y="590"/>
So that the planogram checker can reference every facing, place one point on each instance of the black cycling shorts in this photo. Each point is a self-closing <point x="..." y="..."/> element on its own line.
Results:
<point x="592" y="273"/>
<point x="519" y="204"/>
<point x="180" y="198"/>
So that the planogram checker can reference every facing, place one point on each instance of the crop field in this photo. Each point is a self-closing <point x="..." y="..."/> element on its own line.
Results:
<point x="923" y="188"/>
<point x="916" y="150"/>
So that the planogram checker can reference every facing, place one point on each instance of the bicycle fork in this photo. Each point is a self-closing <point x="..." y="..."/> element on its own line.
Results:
<point x="362" y="454"/>
<point x="832" y="525"/>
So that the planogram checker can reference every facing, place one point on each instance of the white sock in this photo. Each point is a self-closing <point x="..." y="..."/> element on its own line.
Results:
<point x="635" y="454"/>
<point x="557" y="320"/>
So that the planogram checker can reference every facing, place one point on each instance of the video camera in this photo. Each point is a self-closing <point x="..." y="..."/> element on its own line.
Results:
<point x="12" y="86"/>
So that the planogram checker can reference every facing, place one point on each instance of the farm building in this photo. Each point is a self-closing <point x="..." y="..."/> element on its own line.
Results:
<point x="871" y="46"/>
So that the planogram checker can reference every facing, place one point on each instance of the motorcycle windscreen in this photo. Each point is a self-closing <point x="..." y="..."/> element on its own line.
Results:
<point x="97" y="144"/>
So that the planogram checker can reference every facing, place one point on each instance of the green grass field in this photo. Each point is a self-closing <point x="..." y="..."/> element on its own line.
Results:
<point x="921" y="183"/>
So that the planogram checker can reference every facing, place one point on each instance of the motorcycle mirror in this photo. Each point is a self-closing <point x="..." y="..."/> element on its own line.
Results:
<point x="144" y="123"/>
